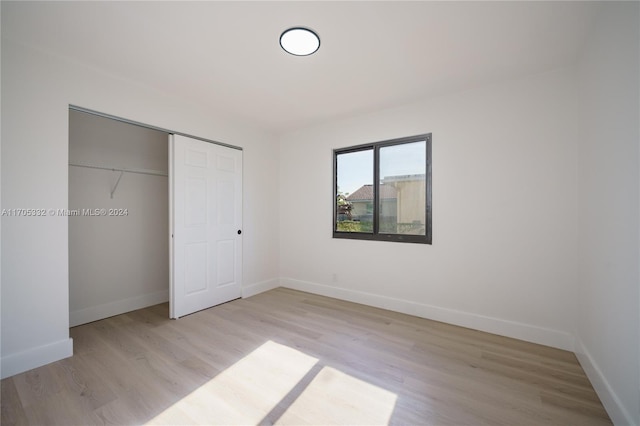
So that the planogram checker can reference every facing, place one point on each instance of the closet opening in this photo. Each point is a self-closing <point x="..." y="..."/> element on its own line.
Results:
<point x="119" y="258"/>
<point x="154" y="216"/>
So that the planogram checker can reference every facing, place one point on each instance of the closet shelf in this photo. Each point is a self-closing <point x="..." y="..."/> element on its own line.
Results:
<point x="122" y="172"/>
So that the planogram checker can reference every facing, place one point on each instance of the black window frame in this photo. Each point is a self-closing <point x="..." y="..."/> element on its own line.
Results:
<point x="375" y="235"/>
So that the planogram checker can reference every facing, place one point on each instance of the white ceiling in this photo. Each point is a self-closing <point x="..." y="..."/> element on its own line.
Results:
<point x="373" y="54"/>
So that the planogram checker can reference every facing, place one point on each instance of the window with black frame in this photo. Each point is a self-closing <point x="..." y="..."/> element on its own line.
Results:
<point x="383" y="191"/>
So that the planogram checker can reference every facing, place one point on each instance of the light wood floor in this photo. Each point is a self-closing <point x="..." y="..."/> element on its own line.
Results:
<point x="286" y="357"/>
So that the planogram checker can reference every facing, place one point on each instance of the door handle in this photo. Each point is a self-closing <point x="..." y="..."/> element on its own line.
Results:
<point x="239" y="231"/>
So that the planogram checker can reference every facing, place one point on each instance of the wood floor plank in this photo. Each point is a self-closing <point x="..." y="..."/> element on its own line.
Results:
<point x="60" y="408"/>
<point x="78" y="377"/>
<point x="12" y="411"/>
<point x="36" y="385"/>
<point x="288" y="357"/>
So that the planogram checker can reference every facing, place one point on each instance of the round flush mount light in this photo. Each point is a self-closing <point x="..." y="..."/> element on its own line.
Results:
<point x="299" y="41"/>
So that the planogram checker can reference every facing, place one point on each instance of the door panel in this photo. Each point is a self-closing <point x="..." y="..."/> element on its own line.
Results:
<point x="195" y="269"/>
<point x="206" y="248"/>
<point x="195" y="202"/>
<point x="226" y="266"/>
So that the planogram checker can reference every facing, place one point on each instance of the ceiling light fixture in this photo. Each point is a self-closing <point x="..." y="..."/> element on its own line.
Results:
<point x="299" y="41"/>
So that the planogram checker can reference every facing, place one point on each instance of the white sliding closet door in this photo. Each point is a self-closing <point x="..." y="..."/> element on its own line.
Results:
<point x="206" y="224"/>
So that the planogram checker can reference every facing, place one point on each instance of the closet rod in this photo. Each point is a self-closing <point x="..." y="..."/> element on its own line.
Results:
<point x="116" y="169"/>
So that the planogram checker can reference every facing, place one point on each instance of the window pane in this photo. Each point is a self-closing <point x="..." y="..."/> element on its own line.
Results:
<point x="354" y="197"/>
<point x="403" y="189"/>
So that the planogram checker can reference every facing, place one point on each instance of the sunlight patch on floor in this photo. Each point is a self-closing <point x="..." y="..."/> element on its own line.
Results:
<point x="334" y="397"/>
<point x="245" y="392"/>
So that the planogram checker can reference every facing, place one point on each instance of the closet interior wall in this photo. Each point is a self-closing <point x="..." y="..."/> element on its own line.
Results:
<point x="118" y="262"/>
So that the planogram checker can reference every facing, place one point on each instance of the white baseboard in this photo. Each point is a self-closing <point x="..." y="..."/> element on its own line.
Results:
<point x="36" y="357"/>
<point x="516" y="330"/>
<point x="94" y="313"/>
<point x="616" y="410"/>
<point x="261" y="287"/>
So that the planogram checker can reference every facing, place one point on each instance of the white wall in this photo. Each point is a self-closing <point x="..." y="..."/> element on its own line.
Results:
<point x="116" y="263"/>
<point x="1" y="204"/>
<point x="503" y="257"/>
<point x="608" y="333"/>
<point x="37" y="90"/>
